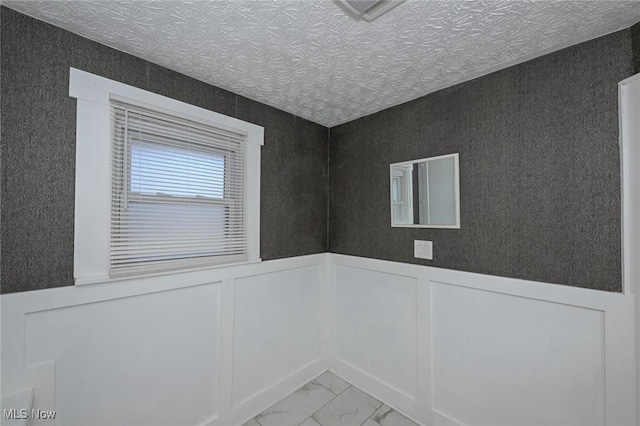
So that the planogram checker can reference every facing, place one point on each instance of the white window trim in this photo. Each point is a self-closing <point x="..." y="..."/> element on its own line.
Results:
<point x="93" y="169"/>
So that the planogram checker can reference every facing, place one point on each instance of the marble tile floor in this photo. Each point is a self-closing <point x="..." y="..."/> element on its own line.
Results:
<point x="329" y="401"/>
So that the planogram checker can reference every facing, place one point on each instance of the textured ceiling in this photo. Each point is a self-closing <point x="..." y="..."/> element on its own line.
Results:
<point x="312" y="59"/>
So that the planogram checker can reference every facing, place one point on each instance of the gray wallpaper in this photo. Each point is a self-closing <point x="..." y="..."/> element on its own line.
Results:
<point x="538" y="151"/>
<point x="539" y="170"/>
<point x="38" y="152"/>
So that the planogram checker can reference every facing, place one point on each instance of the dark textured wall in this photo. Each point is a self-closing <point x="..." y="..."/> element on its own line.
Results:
<point x="38" y="152"/>
<point x="537" y="142"/>
<point x="635" y="39"/>
<point x="539" y="170"/>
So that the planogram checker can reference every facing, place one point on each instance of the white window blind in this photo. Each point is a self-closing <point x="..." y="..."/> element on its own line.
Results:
<point x="177" y="192"/>
<point x="402" y="196"/>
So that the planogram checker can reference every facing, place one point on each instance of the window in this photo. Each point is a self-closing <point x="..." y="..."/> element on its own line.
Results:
<point x="177" y="189"/>
<point x="401" y="194"/>
<point x="177" y="192"/>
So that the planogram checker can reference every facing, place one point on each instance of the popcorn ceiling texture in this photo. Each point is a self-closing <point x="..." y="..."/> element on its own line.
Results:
<point x="314" y="60"/>
<point x="539" y="170"/>
<point x="38" y="152"/>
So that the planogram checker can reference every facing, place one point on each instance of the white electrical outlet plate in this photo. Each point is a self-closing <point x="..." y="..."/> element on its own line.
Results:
<point x="423" y="249"/>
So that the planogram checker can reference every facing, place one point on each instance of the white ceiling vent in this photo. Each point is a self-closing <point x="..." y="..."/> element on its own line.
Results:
<point x="370" y="9"/>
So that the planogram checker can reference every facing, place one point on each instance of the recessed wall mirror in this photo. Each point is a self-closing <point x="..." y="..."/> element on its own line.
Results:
<point x="425" y="193"/>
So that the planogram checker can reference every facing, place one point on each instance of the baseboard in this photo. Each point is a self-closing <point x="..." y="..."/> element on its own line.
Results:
<point x="257" y="403"/>
<point x="382" y="391"/>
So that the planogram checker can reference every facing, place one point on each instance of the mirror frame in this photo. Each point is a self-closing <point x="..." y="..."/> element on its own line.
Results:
<point x="456" y="161"/>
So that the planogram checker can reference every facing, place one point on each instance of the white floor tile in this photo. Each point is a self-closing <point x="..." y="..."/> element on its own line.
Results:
<point x="370" y="422"/>
<point x="332" y="382"/>
<point x="387" y="416"/>
<point x="310" y="422"/>
<point x="295" y="408"/>
<point x="251" y="422"/>
<point x="351" y="408"/>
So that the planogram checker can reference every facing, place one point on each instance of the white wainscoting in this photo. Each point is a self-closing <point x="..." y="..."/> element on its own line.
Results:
<point x="208" y="348"/>
<point x="449" y="347"/>
<point x="216" y="347"/>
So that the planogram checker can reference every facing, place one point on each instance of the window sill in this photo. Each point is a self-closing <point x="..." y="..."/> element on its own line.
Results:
<point x="107" y="279"/>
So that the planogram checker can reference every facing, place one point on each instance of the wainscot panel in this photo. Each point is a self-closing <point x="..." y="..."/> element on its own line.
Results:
<point x="447" y="347"/>
<point x="171" y="349"/>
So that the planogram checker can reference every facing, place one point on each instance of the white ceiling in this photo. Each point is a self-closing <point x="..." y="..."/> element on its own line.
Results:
<point x="314" y="60"/>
